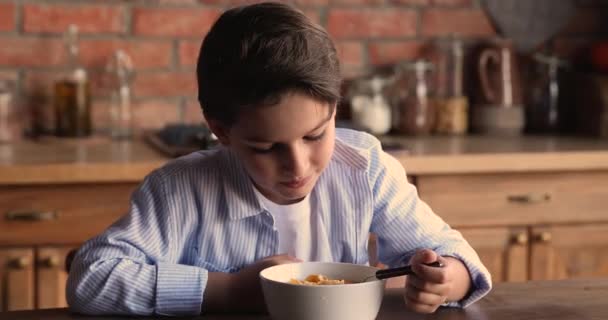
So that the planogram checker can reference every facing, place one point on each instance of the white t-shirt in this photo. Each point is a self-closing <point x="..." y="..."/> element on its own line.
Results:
<point x="293" y="224"/>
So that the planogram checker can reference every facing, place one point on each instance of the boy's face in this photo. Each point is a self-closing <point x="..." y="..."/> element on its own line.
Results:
<point x="284" y="147"/>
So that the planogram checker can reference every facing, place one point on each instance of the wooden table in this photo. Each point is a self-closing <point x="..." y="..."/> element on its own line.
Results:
<point x="543" y="300"/>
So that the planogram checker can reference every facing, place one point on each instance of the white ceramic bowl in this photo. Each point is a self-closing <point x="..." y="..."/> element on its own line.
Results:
<point x="355" y="301"/>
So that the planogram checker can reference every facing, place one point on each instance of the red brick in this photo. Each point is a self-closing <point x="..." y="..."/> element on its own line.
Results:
<point x="147" y="114"/>
<point x="462" y="22"/>
<point x="364" y="23"/>
<point x="188" y="52"/>
<point x="166" y="84"/>
<point x="359" y="2"/>
<point x="154" y="114"/>
<point x="31" y="52"/>
<point x="89" y="18"/>
<point x="232" y="3"/>
<point x="144" y="54"/>
<point x="391" y="52"/>
<point x="100" y="115"/>
<point x="7" y="17"/>
<point x="178" y="2"/>
<point x="350" y="53"/>
<point x="412" y="2"/>
<point x="181" y="22"/>
<point x="309" y="3"/>
<point x="453" y="3"/>
<point x="193" y="113"/>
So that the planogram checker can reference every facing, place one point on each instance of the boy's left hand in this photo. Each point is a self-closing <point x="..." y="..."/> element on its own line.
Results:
<point x="429" y="287"/>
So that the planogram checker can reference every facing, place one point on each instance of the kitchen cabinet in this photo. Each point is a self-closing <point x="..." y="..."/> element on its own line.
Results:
<point x="569" y="251"/>
<point x="528" y="226"/>
<point x="40" y="225"/>
<point x="60" y="214"/>
<point x="503" y="250"/>
<point x="51" y="276"/>
<point x="16" y="279"/>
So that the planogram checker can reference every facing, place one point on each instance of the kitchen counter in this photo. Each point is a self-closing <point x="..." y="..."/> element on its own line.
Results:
<point x="76" y="161"/>
<point x="98" y="161"/>
<point x="543" y="300"/>
<point x="492" y="154"/>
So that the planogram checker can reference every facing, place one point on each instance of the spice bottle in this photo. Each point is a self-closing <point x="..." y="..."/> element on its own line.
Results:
<point x="72" y="100"/>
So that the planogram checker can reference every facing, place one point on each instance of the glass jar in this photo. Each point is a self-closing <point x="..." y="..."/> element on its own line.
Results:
<point x="452" y="106"/>
<point x="370" y="110"/>
<point x="120" y="74"/>
<point x="414" y="111"/>
<point x="543" y="98"/>
<point x="8" y="118"/>
<point x="72" y="94"/>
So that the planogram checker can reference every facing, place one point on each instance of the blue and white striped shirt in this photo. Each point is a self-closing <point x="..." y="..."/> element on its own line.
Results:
<point x="199" y="214"/>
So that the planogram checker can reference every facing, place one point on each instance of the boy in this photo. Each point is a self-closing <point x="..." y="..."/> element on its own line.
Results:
<point x="285" y="186"/>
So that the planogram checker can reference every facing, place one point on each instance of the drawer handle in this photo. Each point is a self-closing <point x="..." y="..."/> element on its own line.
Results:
<point x="544" y="237"/>
<point x="529" y="198"/>
<point x="20" y="263"/>
<point x="51" y="262"/>
<point x="31" y="216"/>
<point x="521" y="238"/>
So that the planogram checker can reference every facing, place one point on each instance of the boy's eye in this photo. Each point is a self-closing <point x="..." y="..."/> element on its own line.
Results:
<point x="275" y="146"/>
<point x="315" y="138"/>
<point x="261" y="150"/>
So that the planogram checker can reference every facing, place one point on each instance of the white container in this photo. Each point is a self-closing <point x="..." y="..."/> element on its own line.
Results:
<point x="355" y="301"/>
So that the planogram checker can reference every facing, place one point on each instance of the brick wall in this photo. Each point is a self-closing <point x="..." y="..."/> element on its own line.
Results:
<point x="163" y="38"/>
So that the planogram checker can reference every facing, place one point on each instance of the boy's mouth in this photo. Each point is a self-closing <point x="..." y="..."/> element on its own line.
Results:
<point x="296" y="183"/>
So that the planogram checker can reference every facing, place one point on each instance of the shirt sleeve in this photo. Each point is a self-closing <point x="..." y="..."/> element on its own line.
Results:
<point x="404" y="223"/>
<point x="132" y="268"/>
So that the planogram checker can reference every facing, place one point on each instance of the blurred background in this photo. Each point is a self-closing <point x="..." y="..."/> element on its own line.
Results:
<point x="498" y="110"/>
<point x="384" y="38"/>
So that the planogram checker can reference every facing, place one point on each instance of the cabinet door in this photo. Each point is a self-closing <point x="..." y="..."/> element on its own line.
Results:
<point x="504" y="251"/>
<point x="32" y="215"/>
<point x="575" y="251"/>
<point x="51" y="276"/>
<point x="16" y="279"/>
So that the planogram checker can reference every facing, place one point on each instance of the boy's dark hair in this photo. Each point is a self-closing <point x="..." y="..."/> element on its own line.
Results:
<point x="255" y="54"/>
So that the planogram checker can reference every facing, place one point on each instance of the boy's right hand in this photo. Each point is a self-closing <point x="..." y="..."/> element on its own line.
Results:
<point x="247" y="281"/>
<point x="245" y="284"/>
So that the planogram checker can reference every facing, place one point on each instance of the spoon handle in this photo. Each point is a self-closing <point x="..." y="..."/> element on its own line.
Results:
<point x="402" y="271"/>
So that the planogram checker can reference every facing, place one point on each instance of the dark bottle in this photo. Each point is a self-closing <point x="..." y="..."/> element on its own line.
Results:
<point x="72" y="95"/>
<point x="544" y="99"/>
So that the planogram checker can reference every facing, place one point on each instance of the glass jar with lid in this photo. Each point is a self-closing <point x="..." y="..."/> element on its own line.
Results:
<point x="414" y="111"/>
<point x="370" y="109"/>
<point x="450" y="102"/>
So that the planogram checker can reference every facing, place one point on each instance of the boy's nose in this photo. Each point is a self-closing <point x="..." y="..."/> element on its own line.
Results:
<point x="295" y="161"/>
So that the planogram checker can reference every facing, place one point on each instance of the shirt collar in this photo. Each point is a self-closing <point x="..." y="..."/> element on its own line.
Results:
<point x="239" y="195"/>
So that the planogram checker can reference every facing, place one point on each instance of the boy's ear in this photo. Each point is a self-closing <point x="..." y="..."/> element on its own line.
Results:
<point x="219" y="130"/>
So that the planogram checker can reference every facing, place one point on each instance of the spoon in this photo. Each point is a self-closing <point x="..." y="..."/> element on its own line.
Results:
<point x="397" y="272"/>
